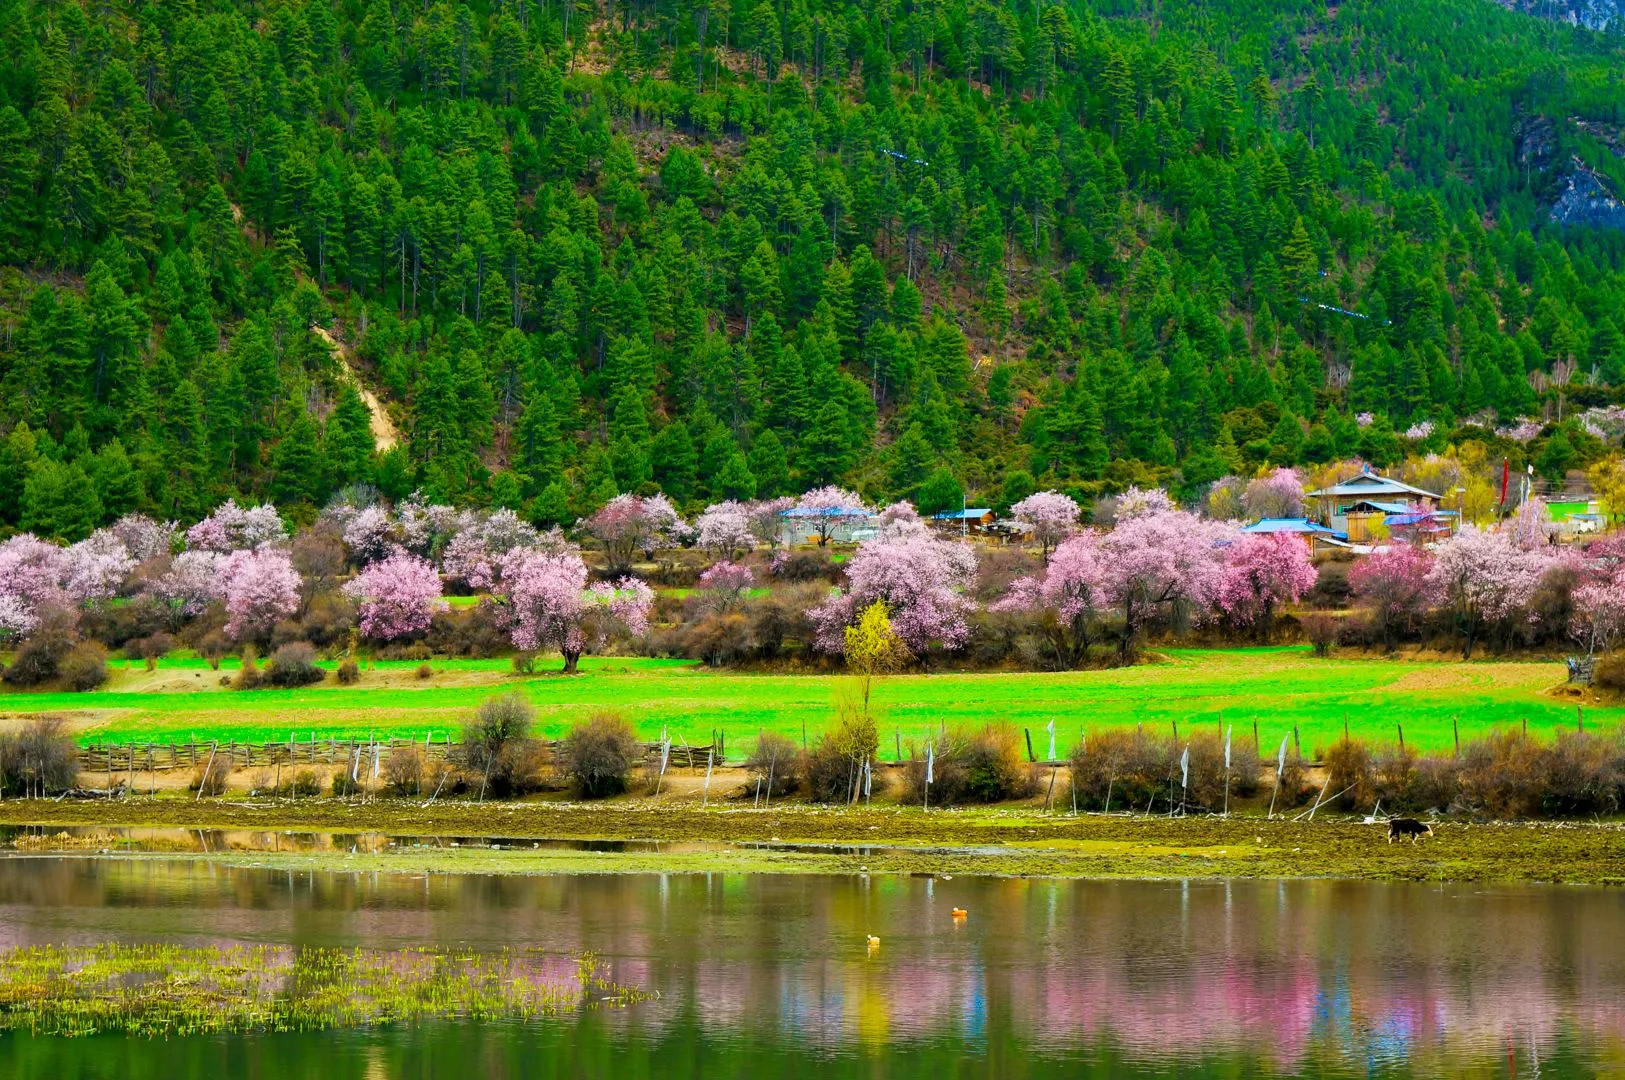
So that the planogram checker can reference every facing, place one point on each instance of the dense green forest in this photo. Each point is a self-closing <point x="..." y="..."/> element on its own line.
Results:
<point x="920" y="247"/>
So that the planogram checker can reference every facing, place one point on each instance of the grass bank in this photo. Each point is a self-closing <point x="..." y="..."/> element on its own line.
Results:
<point x="1279" y="688"/>
<point x="408" y="837"/>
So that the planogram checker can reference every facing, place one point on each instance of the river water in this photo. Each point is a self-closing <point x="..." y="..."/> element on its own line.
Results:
<point x="772" y="976"/>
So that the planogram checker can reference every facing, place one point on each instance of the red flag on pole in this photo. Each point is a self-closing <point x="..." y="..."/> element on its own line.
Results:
<point x="1506" y="476"/>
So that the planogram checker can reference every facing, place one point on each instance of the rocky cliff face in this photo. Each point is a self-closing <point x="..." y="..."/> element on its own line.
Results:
<point x="1591" y="14"/>
<point x="1586" y="200"/>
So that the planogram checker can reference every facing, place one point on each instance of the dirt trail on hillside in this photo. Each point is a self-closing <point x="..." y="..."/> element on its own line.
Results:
<point x="384" y="435"/>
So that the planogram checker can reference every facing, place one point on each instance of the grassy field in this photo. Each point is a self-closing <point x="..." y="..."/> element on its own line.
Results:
<point x="1278" y="688"/>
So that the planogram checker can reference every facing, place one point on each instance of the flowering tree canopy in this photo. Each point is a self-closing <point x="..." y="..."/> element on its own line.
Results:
<point x="1394" y="584"/>
<point x="766" y="518"/>
<point x="475" y="553"/>
<point x="922" y="581"/>
<point x="724" y="585"/>
<point x="825" y="509"/>
<point x="1276" y="495"/>
<point x="1527" y="526"/>
<point x="95" y="567"/>
<point x="1485" y="577"/>
<point x="31" y="572"/>
<point x="397" y="597"/>
<point x="550" y="605"/>
<point x="1154" y="560"/>
<point x="145" y="538"/>
<point x="192" y="582"/>
<point x="1067" y="597"/>
<point x="1051" y="515"/>
<point x="426" y="528"/>
<point x="628" y="524"/>
<point x="370" y="534"/>
<point x="260" y="588"/>
<point x="1138" y="501"/>
<point x="724" y="528"/>
<point x="1261" y="573"/>
<point x="235" y="528"/>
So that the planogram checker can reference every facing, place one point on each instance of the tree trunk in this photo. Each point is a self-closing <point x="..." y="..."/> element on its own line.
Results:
<point x="570" y="660"/>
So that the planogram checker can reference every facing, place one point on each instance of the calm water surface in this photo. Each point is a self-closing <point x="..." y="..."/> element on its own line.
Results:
<point x="770" y="976"/>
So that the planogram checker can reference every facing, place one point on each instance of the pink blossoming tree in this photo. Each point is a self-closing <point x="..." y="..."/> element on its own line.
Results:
<point x="1262" y="572"/>
<point x="550" y="605"/>
<point x="236" y="528"/>
<point x="31" y="576"/>
<point x="369" y="534"/>
<point x="260" y="588"/>
<point x="1393" y="584"/>
<point x="1155" y="562"/>
<point x="825" y="509"/>
<point x="1528" y="525"/>
<point x="1276" y="495"/>
<point x="1138" y="501"/>
<point x="724" y="528"/>
<point x="1066" y="599"/>
<point x="629" y="524"/>
<point x="192" y="582"/>
<point x="724" y="586"/>
<point x="397" y="597"/>
<point x="922" y="581"/>
<point x="1484" y="578"/>
<point x="766" y="517"/>
<point x="96" y="567"/>
<point x="145" y="538"/>
<point x="1050" y="515"/>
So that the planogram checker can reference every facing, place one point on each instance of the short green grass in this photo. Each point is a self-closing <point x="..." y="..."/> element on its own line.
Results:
<point x="1278" y="688"/>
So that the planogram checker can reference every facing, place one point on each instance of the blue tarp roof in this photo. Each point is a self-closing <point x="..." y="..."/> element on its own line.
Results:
<point x="969" y="513"/>
<point x="1286" y="525"/>
<point x="828" y="511"/>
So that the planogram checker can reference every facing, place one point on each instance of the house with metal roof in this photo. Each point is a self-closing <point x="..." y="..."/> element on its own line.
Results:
<point x="1353" y="506"/>
<point x="1309" y="531"/>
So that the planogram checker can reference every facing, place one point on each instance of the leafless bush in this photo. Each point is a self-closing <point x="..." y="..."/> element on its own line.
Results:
<point x="38" y="760"/>
<point x="485" y="751"/>
<point x="294" y="664"/>
<point x="599" y="754"/>
<point x="975" y="767"/>
<point x="248" y="675"/>
<point x="1321" y="630"/>
<point x="403" y="769"/>
<point x="152" y="648"/>
<point x="348" y="672"/>
<point x="210" y="777"/>
<point x="776" y="766"/>
<point x="1121" y="768"/>
<point x="85" y="666"/>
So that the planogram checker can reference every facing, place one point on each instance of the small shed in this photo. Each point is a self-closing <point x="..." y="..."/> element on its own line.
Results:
<point x="971" y="519"/>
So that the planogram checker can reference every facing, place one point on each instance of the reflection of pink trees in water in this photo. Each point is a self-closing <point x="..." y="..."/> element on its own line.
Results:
<point x="1293" y="973"/>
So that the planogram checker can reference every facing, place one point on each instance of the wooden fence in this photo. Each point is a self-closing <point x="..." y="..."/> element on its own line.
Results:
<point x="161" y="757"/>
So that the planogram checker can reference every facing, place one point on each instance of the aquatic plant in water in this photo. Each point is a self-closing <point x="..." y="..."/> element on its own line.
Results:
<point x="163" y="990"/>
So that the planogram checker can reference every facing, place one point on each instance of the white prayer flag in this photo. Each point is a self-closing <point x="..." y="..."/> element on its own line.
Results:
<point x="930" y="762"/>
<point x="1185" y="769"/>
<point x="1227" y="731"/>
<point x="1280" y="759"/>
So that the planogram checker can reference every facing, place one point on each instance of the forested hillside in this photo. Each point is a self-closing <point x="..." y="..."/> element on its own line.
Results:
<point x="728" y="250"/>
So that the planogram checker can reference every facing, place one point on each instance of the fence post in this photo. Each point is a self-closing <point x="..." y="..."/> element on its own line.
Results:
<point x="1028" y="732"/>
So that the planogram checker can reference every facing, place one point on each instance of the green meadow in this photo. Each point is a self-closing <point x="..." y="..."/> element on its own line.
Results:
<point x="1278" y="689"/>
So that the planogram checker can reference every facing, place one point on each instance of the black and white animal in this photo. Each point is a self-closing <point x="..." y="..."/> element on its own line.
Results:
<point x="1401" y="827"/>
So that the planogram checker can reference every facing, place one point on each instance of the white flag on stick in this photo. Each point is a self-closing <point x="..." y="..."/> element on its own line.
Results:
<point x="930" y="762"/>
<point x="1051" y="729"/>
<point x="1280" y="758"/>
<point x="1227" y="731"/>
<point x="1185" y="769"/>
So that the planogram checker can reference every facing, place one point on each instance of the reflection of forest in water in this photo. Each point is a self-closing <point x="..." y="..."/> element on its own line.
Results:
<point x="1297" y="976"/>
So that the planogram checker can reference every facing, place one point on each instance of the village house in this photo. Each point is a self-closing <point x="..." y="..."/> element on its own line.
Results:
<point x="1352" y="509"/>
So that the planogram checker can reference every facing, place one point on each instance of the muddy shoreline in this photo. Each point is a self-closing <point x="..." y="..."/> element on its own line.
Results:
<point x="398" y="835"/>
